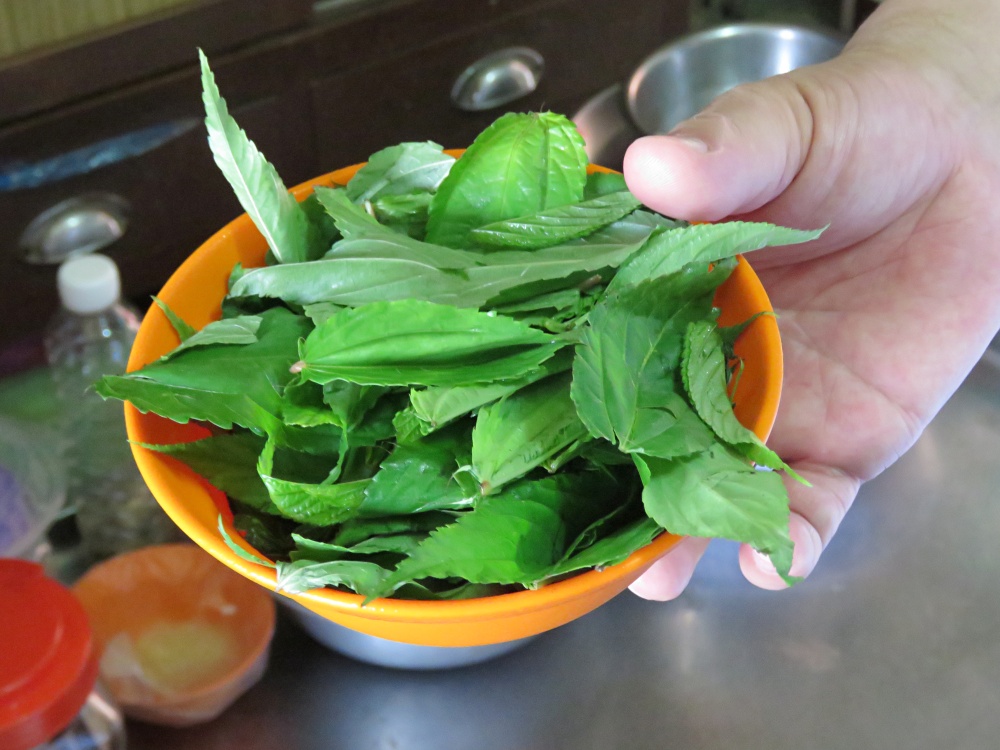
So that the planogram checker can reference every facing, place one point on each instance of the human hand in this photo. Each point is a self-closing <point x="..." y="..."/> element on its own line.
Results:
<point x="896" y="146"/>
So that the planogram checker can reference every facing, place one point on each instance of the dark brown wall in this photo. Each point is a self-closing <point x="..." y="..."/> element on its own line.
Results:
<point x="315" y="93"/>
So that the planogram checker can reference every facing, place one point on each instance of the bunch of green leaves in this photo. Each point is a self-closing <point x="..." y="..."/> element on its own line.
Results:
<point x="457" y="377"/>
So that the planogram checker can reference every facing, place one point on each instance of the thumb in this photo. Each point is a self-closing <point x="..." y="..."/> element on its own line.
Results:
<point x="735" y="156"/>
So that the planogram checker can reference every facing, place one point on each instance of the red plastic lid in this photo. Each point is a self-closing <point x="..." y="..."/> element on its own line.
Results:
<point x="48" y="664"/>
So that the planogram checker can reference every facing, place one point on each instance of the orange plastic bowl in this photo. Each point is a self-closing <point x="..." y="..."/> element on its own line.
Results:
<point x="181" y="593"/>
<point x="195" y="292"/>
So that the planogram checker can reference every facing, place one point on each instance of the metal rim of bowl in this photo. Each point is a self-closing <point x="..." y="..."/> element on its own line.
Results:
<point x="697" y="38"/>
<point x="383" y="652"/>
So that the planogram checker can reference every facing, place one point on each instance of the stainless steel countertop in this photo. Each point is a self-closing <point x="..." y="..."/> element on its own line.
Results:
<point x="893" y="642"/>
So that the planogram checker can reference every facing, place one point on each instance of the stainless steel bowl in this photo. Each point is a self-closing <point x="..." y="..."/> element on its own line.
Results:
<point x="683" y="77"/>
<point x="386" y="653"/>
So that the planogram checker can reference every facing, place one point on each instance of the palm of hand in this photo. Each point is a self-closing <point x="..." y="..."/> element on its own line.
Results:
<point x="874" y="343"/>
<point x="882" y="317"/>
<point x="882" y="321"/>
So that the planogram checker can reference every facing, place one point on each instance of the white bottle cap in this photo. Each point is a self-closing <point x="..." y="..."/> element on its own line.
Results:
<point x="88" y="283"/>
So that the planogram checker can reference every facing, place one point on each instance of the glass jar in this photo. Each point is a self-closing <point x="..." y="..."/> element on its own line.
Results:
<point x="49" y="694"/>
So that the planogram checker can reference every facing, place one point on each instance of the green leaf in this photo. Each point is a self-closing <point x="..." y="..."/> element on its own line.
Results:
<point x="361" y="271"/>
<point x="418" y="477"/>
<point x="551" y="301"/>
<point x="324" y="231"/>
<point x="405" y="168"/>
<point x="385" y="266"/>
<point x="183" y="330"/>
<point x="304" y="406"/>
<point x="552" y="226"/>
<point x="603" y="183"/>
<point x="406" y="214"/>
<point x="509" y="271"/>
<point x="704" y="377"/>
<point x="307" y="497"/>
<point x="304" y="575"/>
<point x="437" y="407"/>
<point x="350" y="219"/>
<point x="350" y="402"/>
<point x="338" y="403"/>
<point x="603" y="454"/>
<point x="183" y="405"/>
<point x="376" y="424"/>
<point x="237" y="330"/>
<point x="399" y="544"/>
<point x="603" y="251"/>
<point x="405" y="217"/>
<point x="232" y="307"/>
<point x="560" y="458"/>
<point x="616" y="517"/>
<point x="625" y="373"/>
<point x="259" y="189"/>
<point x="730" y="334"/>
<point x="670" y="250"/>
<point x="316" y="504"/>
<point x="513" y="537"/>
<point x="277" y="460"/>
<point x="523" y="430"/>
<point x="239" y="551"/>
<point x="320" y="311"/>
<point x="610" y="549"/>
<point x="641" y="223"/>
<point x="221" y="384"/>
<point x="238" y="270"/>
<point x="408" y="426"/>
<point x="228" y="462"/>
<point x="267" y="534"/>
<point x="413" y="342"/>
<point x="669" y="429"/>
<point x="569" y="311"/>
<point x="718" y="494"/>
<point x="448" y="592"/>
<point x="520" y="164"/>
<point x="310" y="549"/>
<point x="357" y="530"/>
<point x="318" y="440"/>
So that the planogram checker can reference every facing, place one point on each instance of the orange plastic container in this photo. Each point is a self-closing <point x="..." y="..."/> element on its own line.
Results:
<point x="180" y="636"/>
<point x="195" y="292"/>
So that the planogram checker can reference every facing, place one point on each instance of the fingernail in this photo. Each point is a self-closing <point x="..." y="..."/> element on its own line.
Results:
<point x="695" y="144"/>
<point x="806" y="550"/>
<point x="764" y="563"/>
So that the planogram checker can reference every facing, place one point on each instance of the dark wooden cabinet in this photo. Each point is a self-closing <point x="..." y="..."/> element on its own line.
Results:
<point x="315" y="90"/>
<point x="144" y="145"/>
<point x="586" y="45"/>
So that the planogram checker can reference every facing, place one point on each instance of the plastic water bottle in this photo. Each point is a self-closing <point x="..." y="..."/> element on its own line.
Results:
<point x="91" y="336"/>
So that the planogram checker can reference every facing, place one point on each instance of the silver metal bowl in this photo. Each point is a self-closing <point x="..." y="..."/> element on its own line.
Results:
<point x="386" y="653"/>
<point x="683" y="77"/>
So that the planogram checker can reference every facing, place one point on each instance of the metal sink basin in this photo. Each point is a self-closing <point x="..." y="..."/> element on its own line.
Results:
<point x="893" y="642"/>
<point x="685" y="75"/>
<point x="682" y="77"/>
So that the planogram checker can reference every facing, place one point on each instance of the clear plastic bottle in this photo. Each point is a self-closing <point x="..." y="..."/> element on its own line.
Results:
<point x="91" y="336"/>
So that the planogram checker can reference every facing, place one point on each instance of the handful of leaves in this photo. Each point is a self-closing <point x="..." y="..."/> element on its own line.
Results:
<point x="457" y="377"/>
